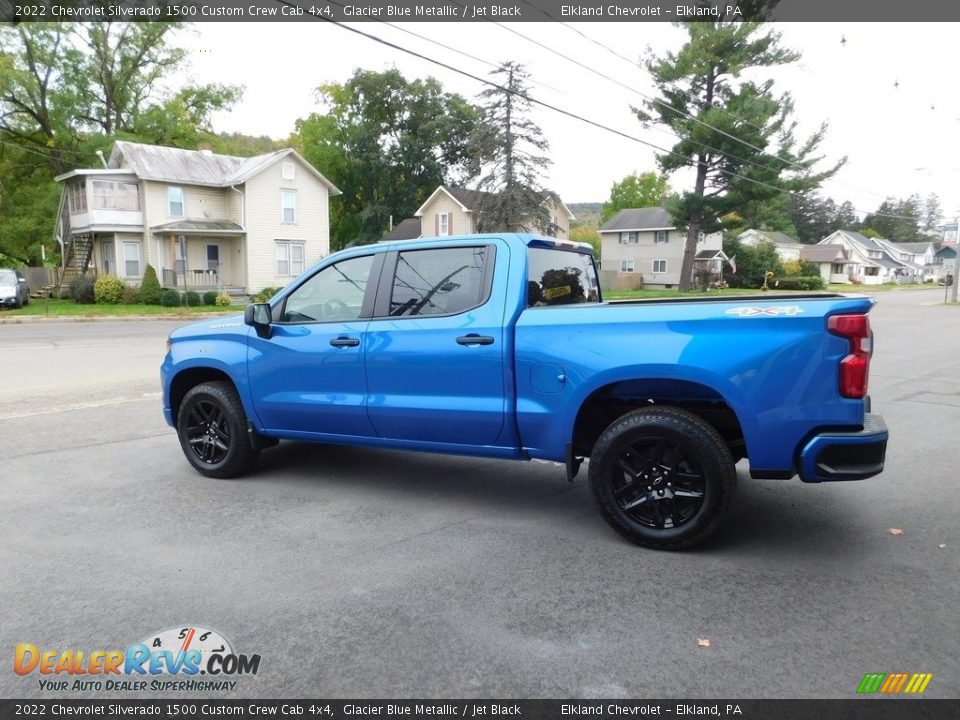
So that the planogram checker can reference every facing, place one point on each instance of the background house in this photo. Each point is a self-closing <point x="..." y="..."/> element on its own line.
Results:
<point x="869" y="261"/>
<point x="203" y="221"/>
<point x="787" y="247"/>
<point x="832" y="260"/>
<point x="452" y="211"/>
<point x="642" y="246"/>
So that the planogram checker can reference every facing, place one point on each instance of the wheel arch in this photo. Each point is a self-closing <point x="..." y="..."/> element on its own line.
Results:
<point x="189" y="378"/>
<point x="613" y="400"/>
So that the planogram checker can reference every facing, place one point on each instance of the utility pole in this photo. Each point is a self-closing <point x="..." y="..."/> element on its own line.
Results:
<point x="956" y="264"/>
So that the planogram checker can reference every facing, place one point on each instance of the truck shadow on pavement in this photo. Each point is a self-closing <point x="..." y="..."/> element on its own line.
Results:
<point x="773" y="515"/>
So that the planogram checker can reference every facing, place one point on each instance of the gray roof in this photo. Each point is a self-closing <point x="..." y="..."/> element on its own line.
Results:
<point x="404" y="230"/>
<point x="861" y="239"/>
<point x="197" y="167"/>
<point x="187" y="227"/>
<point x="640" y="219"/>
<point x="710" y="255"/>
<point x="823" y="253"/>
<point x="917" y="248"/>
<point x="775" y="236"/>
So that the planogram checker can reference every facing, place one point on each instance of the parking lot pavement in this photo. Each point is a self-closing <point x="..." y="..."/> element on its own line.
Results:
<point x="374" y="573"/>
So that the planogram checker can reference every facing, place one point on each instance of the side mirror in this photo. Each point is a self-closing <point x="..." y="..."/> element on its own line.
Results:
<point x="258" y="315"/>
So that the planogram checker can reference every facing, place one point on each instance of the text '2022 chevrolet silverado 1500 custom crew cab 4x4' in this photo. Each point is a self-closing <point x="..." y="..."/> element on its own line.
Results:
<point x="500" y="346"/>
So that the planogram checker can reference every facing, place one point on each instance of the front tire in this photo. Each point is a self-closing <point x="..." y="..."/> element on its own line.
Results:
<point x="663" y="477"/>
<point x="212" y="427"/>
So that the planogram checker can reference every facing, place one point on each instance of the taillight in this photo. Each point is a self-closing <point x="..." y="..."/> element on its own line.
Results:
<point x="855" y="367"/>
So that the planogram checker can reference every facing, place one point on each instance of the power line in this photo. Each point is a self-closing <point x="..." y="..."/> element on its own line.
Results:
<point x="685" y="160"/>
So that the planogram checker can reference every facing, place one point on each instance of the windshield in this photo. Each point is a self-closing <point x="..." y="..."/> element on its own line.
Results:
<point x="8" y="277"/>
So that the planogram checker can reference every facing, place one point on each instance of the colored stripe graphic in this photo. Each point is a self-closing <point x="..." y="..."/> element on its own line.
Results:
<point x="894" y="683"/>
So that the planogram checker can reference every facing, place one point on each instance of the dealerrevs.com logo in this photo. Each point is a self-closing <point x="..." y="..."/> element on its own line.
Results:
<point x="180" y="658"/>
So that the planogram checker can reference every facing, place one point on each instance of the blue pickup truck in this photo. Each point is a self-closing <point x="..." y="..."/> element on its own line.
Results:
<point x="500" y="346"/>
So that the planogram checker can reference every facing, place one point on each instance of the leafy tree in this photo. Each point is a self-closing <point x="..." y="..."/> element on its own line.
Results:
<point x="508" y="150"/>
<point x="635" y="191"/>
<point x="66" y="90"/>
<point x="897" y="219"/>
<point x="736" y="133"/>
<point x="752" y="261"/>
<point x="387" y="143"/>
<point x="587" y="235"/>
<point x="932" y="212"/>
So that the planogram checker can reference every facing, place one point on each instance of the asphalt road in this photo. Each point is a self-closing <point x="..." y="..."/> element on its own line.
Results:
<point x="368" y="573"/>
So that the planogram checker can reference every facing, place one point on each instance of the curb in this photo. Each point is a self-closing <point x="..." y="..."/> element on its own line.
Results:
<point x="20" y="319"/>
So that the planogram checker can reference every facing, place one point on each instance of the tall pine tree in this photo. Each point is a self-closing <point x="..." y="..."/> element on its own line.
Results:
<point x="737" y="134"/>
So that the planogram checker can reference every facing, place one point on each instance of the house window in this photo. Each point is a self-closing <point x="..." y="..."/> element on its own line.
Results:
<point x="131" y="259"/>
<point x="103" y="195"/>
<point x="288" y="171"/>
<point x="128" y="196"/>
<point x="661" y="236"/>
<point x="290" y="257"/>
<point x="444" y="224"/>
<point x="175" y="201"/>
<point x="288" y="203"/>
<point x="626" y="266"/>
<point x="837" y="268"/>
<point x="701" y="237"/>
<point x="659" y="266"/>
<point x="78" y="198"/>
<point x="628" y="238"/>
<point x="106" y="254"/>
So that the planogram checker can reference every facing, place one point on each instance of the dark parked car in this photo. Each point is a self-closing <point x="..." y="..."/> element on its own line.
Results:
<point x="13" y="288"/>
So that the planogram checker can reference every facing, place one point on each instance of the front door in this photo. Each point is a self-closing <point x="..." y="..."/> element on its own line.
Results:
<point x="435" y="351"/>
<point x="308" y="377"/>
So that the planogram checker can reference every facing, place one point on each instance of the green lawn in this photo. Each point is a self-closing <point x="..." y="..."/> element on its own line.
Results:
<point x="838" y="288"/>
<point x="68" y="308"/>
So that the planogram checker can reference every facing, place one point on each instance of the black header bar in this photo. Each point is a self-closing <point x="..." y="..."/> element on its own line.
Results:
<point x="478" y="10"/>
<point x="190" y="707"/>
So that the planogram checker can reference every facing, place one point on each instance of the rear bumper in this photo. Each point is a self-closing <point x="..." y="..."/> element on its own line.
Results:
<point x="845" y="455"/>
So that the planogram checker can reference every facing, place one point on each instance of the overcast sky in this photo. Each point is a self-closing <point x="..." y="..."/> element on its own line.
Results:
<point x="886" y="91"/>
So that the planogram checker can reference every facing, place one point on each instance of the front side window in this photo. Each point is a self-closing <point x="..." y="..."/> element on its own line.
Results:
<point x="659" y="266"/>
<point x="439" y="282"/>
<point x="335" y="294"/>
<point x="288" y="203"/>
<point x="175" y="201"/>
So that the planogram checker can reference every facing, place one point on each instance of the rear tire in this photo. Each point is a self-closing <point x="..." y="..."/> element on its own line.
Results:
<point x="212" y="427"/>
<point x="663" y="477"/>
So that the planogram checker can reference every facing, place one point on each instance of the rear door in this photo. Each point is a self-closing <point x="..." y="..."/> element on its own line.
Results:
<point x="435" y="347"/>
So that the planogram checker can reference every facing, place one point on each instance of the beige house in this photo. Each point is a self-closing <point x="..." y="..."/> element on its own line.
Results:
<point x="787" y="248"/>
<point x="643" y="247"/>
<point x="452" y="211"/>
<point x="203" y="221"/>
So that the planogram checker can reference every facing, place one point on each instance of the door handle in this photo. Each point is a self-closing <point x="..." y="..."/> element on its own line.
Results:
<point x="474" y="339"/>
<point x="345" y="342"/>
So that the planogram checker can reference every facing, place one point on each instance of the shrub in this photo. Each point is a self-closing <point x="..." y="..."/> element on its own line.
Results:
<point x="150" y="289"/>
<point x="108" y="290"/>
<point x="797" y="283"/>
<point x="265" y="294"/>
<point x="223" y="300"/>
<point x="192" y="298"/>
<point x="81" y="290"/>
<point x="210" y="297"/>
<point x="131" y="295"/>
<point x="169" y="298"/>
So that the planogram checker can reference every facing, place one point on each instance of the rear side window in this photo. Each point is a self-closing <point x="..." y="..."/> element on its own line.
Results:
<point x="444" y="281"/>
<point x="560" y="277"/>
